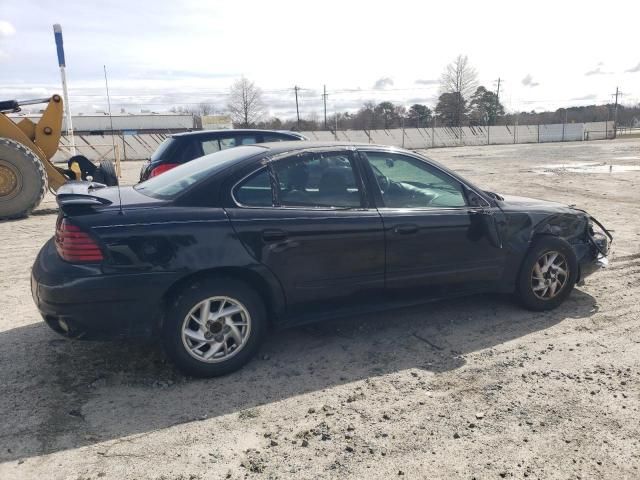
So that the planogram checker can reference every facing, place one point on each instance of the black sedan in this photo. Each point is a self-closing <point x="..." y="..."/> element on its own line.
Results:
<point x="184" y="147"/>
<point x="210" y="255"/>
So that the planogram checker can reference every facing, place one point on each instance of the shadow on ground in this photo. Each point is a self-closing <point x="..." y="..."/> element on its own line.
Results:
<point x="59" y="394"/>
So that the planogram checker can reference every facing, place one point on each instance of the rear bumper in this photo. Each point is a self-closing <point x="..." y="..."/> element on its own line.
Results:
<point x="81" y="302"/>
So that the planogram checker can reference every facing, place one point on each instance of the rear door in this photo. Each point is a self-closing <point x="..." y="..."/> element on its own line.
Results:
<point x="306" y="217"/>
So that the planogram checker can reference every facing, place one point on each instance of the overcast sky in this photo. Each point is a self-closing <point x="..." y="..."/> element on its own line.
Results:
<point x="162" y="53"/>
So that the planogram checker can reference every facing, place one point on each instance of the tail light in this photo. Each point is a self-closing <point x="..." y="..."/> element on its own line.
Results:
<point x="74" y="245"/>
<point x="162" y="168"/>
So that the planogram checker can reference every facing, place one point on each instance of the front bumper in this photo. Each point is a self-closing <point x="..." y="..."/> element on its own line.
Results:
<point x="82" y="302"/>
<point x="592" y="256"/>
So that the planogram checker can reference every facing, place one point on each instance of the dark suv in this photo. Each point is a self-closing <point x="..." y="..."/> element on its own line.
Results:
<point x="184" y="147"/>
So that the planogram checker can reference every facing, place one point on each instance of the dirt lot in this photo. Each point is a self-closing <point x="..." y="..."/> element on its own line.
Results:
<point x="476" y="388"/>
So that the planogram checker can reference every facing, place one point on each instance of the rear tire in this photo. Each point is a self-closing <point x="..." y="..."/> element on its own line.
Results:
<point x="23" y="180"/>
<point x="211" y="345"/>
<point x="548" y="274"/>
<point x="109" y="176"/>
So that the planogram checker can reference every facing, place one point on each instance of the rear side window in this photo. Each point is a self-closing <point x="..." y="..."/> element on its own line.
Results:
<point x="248" y="139"/>
<point x="317" y="179"/>
<point x="177" y="180"/>
<point x="255" y="191"/>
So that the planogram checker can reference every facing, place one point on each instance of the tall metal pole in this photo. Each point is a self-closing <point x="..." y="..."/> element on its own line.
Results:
<point x="57" y="34"/>
<point x="297" y="110"/>
<point x="106" y="84"/>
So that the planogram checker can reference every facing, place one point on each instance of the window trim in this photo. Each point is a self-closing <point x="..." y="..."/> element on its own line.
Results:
<point x="365" y="203"/>
<point x="378" y="195"/>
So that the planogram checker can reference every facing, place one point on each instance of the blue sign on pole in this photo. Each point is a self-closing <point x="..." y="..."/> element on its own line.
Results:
<point x="57" y="33"/>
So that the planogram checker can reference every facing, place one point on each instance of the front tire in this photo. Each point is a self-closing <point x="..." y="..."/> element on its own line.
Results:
<point x="548" y="274"/>
<point x="214" y="327"/>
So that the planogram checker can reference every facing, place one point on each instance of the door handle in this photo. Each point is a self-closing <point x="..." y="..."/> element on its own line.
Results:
<point x="273" y="235"/>
<point x="406" y="228"/>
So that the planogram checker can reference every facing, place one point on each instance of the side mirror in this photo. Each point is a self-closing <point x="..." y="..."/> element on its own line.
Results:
<point x="473" y="198"/>
<point x="390" y="163"/>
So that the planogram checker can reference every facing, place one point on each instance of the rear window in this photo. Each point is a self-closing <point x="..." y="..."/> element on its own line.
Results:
<point x="162" y="149"/>
<point x="172" y="183"/>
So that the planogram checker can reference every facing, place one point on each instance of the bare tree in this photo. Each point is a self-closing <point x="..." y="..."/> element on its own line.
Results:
<point x="245" y="103"/>
<point x="459" y="79"/>
<point x="203" y="108"/>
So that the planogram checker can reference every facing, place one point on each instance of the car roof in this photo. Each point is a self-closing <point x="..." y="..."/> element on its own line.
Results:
<point x="282" y="147"/>
<point x="235" y="130"/>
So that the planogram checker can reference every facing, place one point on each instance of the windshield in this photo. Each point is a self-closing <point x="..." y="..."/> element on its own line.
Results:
<point x="172" y="183"/>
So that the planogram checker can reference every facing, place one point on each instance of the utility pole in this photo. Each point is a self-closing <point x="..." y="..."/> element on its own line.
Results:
<point x="497" y="98"/>
<point x="615" y="113"/>
<point x="324" y="100"/>
<point x="296" y="88"/>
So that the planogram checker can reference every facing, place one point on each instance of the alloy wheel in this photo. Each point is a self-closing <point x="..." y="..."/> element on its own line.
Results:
<point x="550" y="275"/>
<point x="216" y="329"/>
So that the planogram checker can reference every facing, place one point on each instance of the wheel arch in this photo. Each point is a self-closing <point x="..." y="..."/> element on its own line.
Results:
<point x="270" y="294"/>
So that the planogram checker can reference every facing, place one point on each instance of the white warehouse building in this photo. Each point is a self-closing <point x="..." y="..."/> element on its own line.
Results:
<point x="99" y="124"/>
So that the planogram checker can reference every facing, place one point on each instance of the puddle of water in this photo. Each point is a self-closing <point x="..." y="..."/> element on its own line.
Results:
<point x="587" y="168"/>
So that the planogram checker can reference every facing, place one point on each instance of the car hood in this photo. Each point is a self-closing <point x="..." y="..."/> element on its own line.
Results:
<point x="514" y="202"/>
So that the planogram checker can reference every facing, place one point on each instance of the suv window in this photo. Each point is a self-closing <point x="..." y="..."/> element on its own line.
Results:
<point x="227" y="142"/>
<point x="255" y="191"/>
<point x="406" y="182"/>
<point x="210" y="146"/>
<point x="323" y="179"/>
<point x="270" y="137"/>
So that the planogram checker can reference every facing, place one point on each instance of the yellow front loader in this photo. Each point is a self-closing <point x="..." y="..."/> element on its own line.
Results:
<point x="26" y="149"/>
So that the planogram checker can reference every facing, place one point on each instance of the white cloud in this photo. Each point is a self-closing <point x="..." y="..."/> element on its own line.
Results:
<point x="6" y="29"/>
<point x="634" y="69"/>
<point x="383" y="83"/>
<point x="527" y="81"/>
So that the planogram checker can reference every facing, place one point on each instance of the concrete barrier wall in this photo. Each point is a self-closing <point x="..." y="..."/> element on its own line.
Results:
<point x="141" y="147"/>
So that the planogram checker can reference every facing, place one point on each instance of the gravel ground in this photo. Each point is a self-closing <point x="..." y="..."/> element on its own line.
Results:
<point x="473" y="388"/>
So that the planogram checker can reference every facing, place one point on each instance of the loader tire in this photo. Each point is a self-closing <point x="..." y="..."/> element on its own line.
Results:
<point x="23" y="180"/>
<point x="109" y="176"/>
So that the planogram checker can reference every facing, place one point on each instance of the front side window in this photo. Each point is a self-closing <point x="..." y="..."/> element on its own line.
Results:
<point x="317" y="179"/>
<point x="248" y="139"/>
<point x="406" y="182"/>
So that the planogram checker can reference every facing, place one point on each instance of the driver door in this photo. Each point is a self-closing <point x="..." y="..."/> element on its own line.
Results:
<point x="435" y="241"/>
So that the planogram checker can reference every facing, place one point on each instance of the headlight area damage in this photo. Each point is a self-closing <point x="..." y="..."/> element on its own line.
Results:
<point x="600" y="240"/>
<point x="589" y="239"/>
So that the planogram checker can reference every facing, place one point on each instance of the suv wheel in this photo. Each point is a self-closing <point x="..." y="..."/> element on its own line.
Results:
<point x="214" y="327"/>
